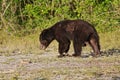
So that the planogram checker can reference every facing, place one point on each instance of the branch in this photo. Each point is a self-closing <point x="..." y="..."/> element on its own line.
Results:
<point x="7" y="8"/>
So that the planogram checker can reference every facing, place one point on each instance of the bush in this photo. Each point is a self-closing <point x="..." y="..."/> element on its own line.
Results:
<point x="27" y="15"/>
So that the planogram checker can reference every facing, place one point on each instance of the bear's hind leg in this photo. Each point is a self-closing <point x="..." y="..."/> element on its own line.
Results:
<point x="95" y="46"/>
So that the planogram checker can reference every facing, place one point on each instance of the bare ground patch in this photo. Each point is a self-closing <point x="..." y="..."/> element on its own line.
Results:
<point x="48" y="66"/>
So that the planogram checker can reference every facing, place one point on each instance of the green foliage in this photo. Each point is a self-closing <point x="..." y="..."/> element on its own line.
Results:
<point x="28" y="15"/>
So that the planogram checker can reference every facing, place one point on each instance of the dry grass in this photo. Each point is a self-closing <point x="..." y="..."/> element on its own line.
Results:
<point x="21" y="59"/>
<point x="30" y="44"/>
<point x="110" y="40"/>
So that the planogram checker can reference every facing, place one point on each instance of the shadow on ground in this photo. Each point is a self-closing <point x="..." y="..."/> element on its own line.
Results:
<point x="108" y="52"/>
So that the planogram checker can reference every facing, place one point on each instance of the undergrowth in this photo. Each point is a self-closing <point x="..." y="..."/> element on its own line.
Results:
<point x="24" y="17"/>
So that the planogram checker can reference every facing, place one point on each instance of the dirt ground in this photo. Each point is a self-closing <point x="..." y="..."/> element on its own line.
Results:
<point x="48" y="66"/>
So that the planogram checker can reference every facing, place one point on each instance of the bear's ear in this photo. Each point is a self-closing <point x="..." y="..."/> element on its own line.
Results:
<point x="45" y="31"/>
<point x="42" y="35"/>
<point x="45" y="34"/>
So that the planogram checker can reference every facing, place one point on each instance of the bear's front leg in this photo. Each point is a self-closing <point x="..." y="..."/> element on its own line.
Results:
<point x="64" y="48"/>
<point x="61" y="50"/>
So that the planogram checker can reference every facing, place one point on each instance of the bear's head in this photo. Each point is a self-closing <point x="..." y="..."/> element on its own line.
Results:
<point x="45" y="38"/>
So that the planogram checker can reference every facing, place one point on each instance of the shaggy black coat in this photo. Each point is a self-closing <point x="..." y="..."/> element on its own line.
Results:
<point x="78" y="31"/>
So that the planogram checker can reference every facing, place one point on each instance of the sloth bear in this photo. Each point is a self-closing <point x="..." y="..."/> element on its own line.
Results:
<point x="79" y="31"/>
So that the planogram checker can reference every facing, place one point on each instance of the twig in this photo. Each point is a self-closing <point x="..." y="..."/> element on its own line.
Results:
<point x="7" y="8"/>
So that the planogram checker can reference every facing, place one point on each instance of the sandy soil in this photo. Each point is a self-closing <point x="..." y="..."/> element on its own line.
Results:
<point x="48" y="66"/>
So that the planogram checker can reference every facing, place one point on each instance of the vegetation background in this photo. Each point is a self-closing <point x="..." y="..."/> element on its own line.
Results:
<point x="21" y="22"/>
<point x="25" y="16"/>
